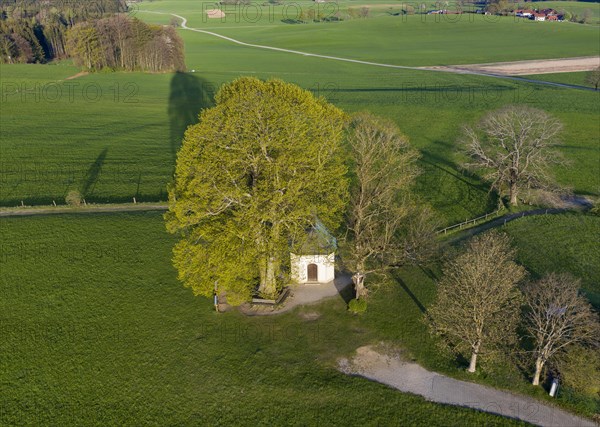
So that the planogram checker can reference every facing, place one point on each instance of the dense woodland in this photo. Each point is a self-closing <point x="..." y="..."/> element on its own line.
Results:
<point x="97" y="35"/>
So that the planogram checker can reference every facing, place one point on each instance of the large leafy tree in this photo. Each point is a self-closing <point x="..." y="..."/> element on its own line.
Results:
<point x="250" y="179"/>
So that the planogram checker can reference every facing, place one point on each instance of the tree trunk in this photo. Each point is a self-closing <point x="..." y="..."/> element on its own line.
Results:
<point x="513" y="194"/>
<point x="473" y="362"/>
<point x="268" y="276"/>
<point x="359" y="284"/>
<point x="539" y="365"/>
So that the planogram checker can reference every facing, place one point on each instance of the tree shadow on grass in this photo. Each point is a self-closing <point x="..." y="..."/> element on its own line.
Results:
<point x="189" y="95"/>
<point x="406" y="289"/>
<point x="93" y="174"/>
<point x="343" y="284"/>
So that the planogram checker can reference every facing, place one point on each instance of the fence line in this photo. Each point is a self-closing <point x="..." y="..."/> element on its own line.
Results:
<point x="469" y="221"/>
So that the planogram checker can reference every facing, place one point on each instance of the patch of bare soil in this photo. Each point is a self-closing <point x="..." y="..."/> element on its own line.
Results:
<point x="523" y="68"/>
<point x="76" y="76"/>
<point x="215" y="13"/>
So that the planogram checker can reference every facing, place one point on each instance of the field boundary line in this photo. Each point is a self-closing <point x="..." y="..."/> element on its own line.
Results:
<point x="358" y="61"/>
<point x="88" y="209"/>
<point x="468" y="221"/>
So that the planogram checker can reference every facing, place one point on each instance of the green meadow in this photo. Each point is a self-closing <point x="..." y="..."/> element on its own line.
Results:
<point x="576" y="78"/>
<point x="560" y="243"/>
<point x="115" y="136"/>
<point x="106" y="135"/>
<point x="96" y="330"/>
<point x="412" y="40"/>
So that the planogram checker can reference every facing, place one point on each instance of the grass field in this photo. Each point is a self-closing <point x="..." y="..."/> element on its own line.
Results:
<point x="567" y="78"/>
<point x="106" y="135"/>
<point x="96" y="330"/>
<point x="557" y="243"/>
<point x="414" y="40"/>
<point x="116" y="150"/>
<point x="114" y="136"/>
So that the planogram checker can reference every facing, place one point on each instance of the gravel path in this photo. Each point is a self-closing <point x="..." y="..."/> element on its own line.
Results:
<point x="411" y="378"/>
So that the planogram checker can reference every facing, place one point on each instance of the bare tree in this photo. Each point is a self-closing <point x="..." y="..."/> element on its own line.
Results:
<point x="515" y="146"/>
<point x="586" y="17"/>
<point x="558" y="317"/>
<point x="385" y="225"/>
<point x="593" y="78"/>
<point x="478" y="302"/>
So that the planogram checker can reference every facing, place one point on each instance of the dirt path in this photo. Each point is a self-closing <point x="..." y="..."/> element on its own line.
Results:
<point x="410" y="377"/>
<point x="76" y="76"/>
<point x="89" y="209"/>
<point x="376" y="64"/>
<point x="523" y="68"/>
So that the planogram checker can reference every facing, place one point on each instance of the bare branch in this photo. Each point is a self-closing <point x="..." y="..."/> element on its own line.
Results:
<point x="514" y="146"/>
<point x="558" y="317"/>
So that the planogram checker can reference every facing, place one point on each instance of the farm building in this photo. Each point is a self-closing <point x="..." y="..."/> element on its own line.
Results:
<point x="539" y="17"/>
<point x="525" y="13"/>
<point x="314" y="262"/>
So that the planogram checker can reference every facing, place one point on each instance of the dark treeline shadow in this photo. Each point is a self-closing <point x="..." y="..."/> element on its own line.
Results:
<point x="189" y="95"/>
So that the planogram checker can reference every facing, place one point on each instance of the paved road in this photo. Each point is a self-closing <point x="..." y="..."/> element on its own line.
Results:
<point x="412" y="378"/>
<point x="89" y="209"/>
<point x="377" y="64"/>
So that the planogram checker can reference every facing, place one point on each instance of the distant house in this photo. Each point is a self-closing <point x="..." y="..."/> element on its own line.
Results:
<point x="524" y="13"/>
<point x="314" y="262"/>
<point x="538" y="17"/>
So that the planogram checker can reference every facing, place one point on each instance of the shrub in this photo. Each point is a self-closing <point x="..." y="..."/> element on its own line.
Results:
<point x="357" y="306"/>
<point x="580" y="370"/>
<point x="73" y="198"/>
